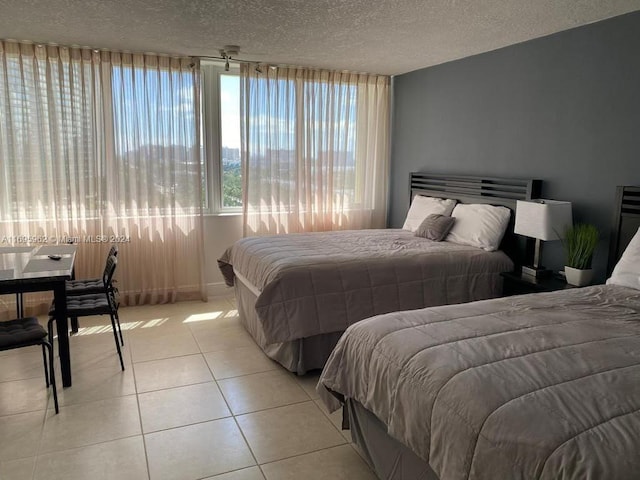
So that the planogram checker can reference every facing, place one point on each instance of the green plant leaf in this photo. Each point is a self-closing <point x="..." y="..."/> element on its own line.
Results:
<point x="579" y="243"/>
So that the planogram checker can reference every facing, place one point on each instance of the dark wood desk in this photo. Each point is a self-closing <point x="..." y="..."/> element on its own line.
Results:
<point x="29" y="269"/>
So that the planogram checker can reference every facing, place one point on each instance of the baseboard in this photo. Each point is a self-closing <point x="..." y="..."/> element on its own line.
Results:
<point x="218" y="289"/>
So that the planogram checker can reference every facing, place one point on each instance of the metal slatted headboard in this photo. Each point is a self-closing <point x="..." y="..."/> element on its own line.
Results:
<point x="489" y="190"/>
<point x="466" y="189"/>
<point x="626" y="221"/>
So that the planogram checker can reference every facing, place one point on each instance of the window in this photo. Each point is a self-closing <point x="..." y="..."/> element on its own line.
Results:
<point x="316" y="156"/>
<point x="154" y="138"/>
<point x="230" y="141"/>
<point x="100" y="146"/>
<point x="44" y="116"/>
<point x="221" y="138"/>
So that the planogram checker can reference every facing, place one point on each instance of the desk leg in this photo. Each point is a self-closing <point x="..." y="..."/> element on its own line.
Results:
<point x="60" y="297"/>
<point x="19" y="305"/>
<point x="74" y="320"/>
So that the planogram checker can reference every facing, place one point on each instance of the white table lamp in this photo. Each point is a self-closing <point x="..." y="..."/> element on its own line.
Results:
<point x="543" y="220"/>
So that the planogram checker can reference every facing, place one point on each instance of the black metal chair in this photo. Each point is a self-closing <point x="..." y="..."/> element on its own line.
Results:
<point x="105" y="303"/>
<point x="91" y="285"/>
<point x="26" y="332"/>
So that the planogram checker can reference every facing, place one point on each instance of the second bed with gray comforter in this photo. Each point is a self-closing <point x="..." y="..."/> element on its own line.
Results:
<point x="542" y="386"/>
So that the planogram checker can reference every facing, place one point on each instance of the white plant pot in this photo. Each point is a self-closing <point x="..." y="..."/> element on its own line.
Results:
<point x="578" y="277"/>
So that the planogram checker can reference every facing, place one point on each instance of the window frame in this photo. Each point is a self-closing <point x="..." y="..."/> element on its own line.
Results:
<point x="212" y="137"/>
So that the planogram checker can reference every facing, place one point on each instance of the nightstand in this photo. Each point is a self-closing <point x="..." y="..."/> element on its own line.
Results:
<point x="517" y="284"/>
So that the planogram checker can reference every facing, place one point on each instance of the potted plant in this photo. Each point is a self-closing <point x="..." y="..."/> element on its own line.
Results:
<point x="579" y="244"/>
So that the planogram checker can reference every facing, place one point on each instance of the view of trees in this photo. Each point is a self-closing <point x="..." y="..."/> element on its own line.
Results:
<point x="231" y="177"/>
<point x="232" y="186"/>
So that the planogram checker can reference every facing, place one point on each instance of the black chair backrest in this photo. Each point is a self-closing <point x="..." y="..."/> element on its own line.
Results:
<point x="109" y="270"/>
<point x="113" y="251"/>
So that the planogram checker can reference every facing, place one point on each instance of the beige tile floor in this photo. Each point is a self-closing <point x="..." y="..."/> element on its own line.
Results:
<point x="198" y="400"/>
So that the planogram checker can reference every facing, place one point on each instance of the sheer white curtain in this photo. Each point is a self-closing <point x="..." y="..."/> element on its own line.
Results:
<point x="98" y="147"/>
<point x="315" y="150"/>
<point x="154" y="177"/>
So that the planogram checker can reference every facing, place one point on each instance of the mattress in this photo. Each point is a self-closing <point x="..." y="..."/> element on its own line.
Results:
<point x="316" y="283"/>
<point x="542" y="386"/>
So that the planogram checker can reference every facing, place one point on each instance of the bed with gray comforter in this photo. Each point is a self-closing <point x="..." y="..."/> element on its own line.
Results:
<point x="543" y="386"/>
<point x="311" y="284"/>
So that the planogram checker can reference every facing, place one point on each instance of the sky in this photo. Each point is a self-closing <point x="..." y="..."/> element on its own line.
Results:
<point x="230" y="110"/>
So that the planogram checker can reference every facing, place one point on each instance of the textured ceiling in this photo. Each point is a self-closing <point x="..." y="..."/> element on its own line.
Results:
<point x="389" y="37"/>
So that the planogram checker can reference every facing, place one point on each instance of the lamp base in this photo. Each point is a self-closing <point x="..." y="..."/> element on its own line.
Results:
<point x="536" y="272"/>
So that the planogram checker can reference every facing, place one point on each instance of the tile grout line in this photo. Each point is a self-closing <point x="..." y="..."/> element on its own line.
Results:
<point x="260" y="465"/>
<point x="48" y="409"/>
<point x="26" y="411"/>
<point x="78" y="447"/>
<point x="41" y="437"/>
<point x="144" y="441"/>
<point x="166" y="358"/>
<point x="328" y="417"/>
<point x="234" y="415"/>
<point x="174" y="387"/>
<point x="235" y="420"/>
<point x="242" y="375"/>
<point x="269" y="408"/>
<point x="306" y="453"/>
<point x="56" y="366"/>
<point x="218" y="382"/>
<point x="344" y="441"/>
<point x="231" y="414"/>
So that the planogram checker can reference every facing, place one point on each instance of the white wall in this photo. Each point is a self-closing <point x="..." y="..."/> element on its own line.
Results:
<point x="220" y="232"/>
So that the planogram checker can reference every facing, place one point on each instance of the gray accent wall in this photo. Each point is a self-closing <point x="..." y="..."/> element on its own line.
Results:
<point x="563" y="108"/>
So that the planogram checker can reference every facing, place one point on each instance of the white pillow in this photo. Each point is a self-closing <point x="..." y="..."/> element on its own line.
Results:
<point x="479" y="225"/>
<point x="627" y="270"/>
<point x="422" y="207"/>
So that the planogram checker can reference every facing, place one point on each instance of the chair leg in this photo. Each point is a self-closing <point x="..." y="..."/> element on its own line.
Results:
<point x="115" y="336"/>
<point x="19" y="305"/>
<point x="50" y="329"/>
<point x="46" y="369"/>
<point x="119" y="329"/>
<point x="74" y="325"/>
<point x="53" y="375"/>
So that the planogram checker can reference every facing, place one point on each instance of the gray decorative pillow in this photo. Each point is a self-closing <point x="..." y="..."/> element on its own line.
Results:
<point x="435" y="227"/>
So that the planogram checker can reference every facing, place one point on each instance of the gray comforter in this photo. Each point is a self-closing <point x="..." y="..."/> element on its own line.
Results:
<point x="542" y="386"/>
<point x="315" y="283"/>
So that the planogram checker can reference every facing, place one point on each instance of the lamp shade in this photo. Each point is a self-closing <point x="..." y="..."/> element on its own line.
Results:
<point x="543" y="219"/>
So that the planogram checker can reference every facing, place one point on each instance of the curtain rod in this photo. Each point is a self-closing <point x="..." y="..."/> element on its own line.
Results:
<point x="260" y="64"/>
